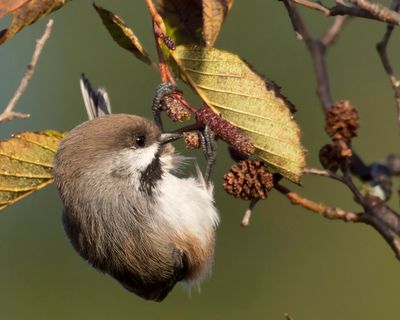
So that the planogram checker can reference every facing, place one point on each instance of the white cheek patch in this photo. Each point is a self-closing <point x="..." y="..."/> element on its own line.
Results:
<point x="137" y="160"/>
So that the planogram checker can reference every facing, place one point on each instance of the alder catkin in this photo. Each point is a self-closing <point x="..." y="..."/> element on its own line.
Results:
<point x="192" y="140"/>
<point x="225" y="130"/>
<point x="174" y="108"/>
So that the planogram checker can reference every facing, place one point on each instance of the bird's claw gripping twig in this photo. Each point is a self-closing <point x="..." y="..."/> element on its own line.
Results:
<point x="163" y="90"/>
<point x="209" y="147"/>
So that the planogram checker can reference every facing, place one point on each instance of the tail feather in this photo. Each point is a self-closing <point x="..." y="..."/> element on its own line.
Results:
<point x="96" y="101"/>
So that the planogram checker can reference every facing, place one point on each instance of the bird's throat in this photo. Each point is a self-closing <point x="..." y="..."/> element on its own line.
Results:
<point x="151" y="175"/>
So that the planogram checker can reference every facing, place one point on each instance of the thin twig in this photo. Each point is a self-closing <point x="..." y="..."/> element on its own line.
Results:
<point x="319" y="172"/>
<point x="317" y="50"/>
<point x="155" y="16"/>
<point x="313" y="5"/>
<point x="8" y="113"/>
<point x="379" y="11"/>
<point x="333" y="32"/>
<point x="159" y="31"/>
<point x="320" y="208"/>
<point x="384" y="231"/>
<point x="293" y="19"/>
<point x="361" y="8"/>
<point x="381" y="47"/>
<point x="288" y="317"/>
<point x="370" y="217"/>
<point x="377" y="215"/>
<point x="376" y="212"/>
<point x="296" y="20"/>
<point x="353" y="11"/>
<point x="323" y="173"/>
<point x="165" y="73"/>
<point x="346" y="179"/>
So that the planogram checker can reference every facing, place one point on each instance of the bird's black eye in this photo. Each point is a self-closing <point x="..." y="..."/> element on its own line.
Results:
<point x="140" y="141"/>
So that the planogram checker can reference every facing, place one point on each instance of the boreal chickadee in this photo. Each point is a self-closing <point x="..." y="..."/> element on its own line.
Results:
<point x="124" y="210"/>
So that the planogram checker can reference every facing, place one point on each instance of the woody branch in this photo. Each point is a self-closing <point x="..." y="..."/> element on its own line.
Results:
<point x="376" y="212"/>
<point x="357" y="8"/>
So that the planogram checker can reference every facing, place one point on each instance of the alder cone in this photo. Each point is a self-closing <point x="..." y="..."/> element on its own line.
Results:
<point x="329" y="157"/>
<point x="249" y="180"/>
<point x="342" y="121"/>
<point x="334" y="157"/>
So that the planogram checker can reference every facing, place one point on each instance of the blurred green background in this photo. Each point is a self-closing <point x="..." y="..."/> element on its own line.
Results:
<point x="288" y="260"/>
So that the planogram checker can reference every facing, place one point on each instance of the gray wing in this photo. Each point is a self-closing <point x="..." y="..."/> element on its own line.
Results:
<point x="157" y="289"/>
<point x="96" y="101"/>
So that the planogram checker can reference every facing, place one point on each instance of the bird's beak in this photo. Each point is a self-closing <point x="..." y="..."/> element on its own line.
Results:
<point x="169" y="137"/>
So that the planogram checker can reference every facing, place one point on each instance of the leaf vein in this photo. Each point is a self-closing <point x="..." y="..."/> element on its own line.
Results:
<point x="46" y="165"/>
<point x="285" y="158"/>
<point x="205" y="60"/>
<point x="221" y="106"/>
<point x="231" y="92"/>
<point x="35" y="143"/>
<point x="16" y="175"/>
<point x="231" y="75"/>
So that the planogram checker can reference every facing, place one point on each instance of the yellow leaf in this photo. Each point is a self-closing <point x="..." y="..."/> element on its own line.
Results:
<point x="250" y="102"/>
<point x="26" y="13"/>
<point x="122" y="34"/>
<point x="26" y="162"/>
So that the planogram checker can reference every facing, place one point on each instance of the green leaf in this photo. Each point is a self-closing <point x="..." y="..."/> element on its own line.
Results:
<point x="231" y="88"/>
<point x="123" y="35"/>
<point x="26" y="162"/>
<point x="26" y="13"/>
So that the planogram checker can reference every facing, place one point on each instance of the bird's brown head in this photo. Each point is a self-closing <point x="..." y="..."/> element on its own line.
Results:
<point x="119" y="144"/>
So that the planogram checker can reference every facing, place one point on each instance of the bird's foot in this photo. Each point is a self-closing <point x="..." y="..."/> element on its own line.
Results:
<point x="209" y="147"/>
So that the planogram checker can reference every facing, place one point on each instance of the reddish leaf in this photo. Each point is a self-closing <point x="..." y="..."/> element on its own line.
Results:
<point x="7" y="6"/>
<point x="123" y="35"/>
<point x="25" y="13"/>
<point x="194" y="21"/>
<point x="214" y="13"/>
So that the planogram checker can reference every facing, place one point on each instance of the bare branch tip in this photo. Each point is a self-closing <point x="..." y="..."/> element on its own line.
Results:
<point x="248" y="213"/>
<point x="288" y="316"/>
<point x="246" y="218"/>
<point x="8" y="113"/>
